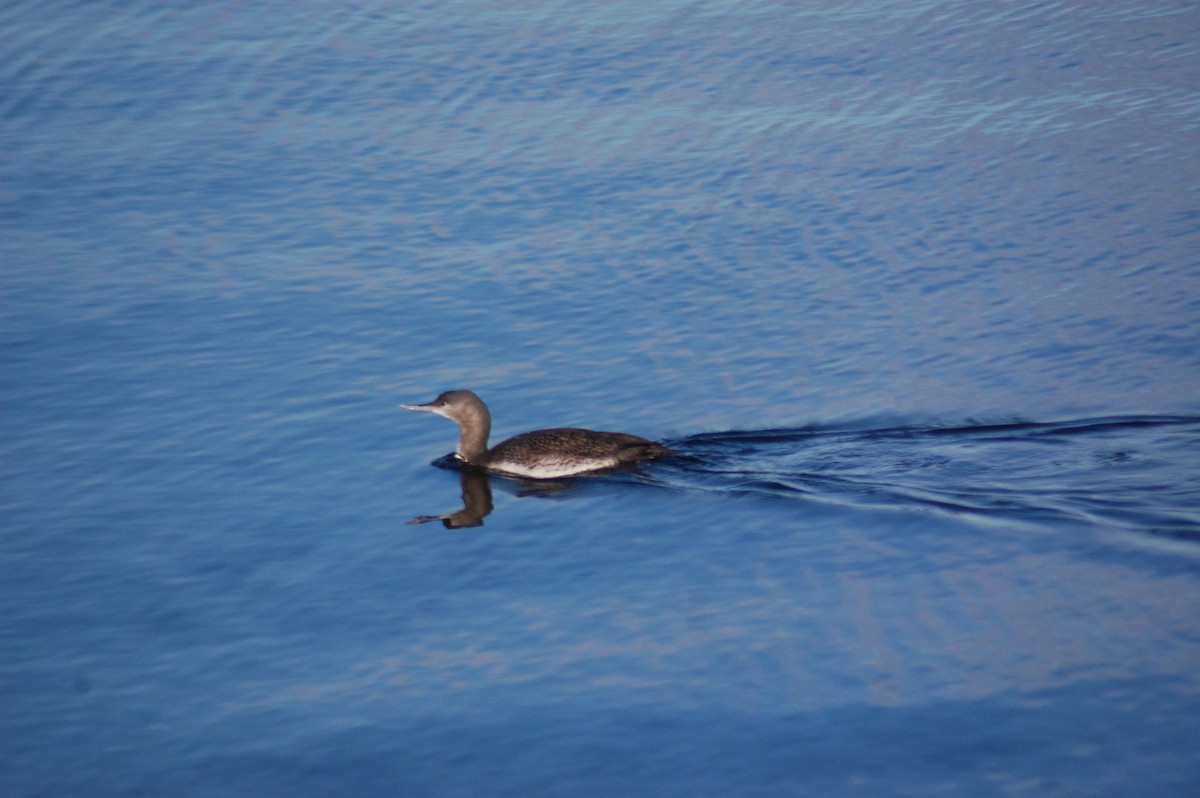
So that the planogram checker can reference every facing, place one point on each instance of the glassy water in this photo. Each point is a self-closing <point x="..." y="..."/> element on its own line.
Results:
<point x="911" y="287"/>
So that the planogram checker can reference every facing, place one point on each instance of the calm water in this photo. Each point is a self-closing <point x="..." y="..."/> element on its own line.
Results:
<point x="912" y="286"/>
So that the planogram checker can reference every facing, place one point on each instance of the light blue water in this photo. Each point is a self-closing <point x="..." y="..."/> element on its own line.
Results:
<point x="913" y="287"/>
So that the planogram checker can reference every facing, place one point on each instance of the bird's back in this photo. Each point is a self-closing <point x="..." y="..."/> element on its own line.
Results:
<point x="550" y="453"/>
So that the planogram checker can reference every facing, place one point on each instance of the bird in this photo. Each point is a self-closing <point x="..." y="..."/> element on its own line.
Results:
<point x="542" y="454"/>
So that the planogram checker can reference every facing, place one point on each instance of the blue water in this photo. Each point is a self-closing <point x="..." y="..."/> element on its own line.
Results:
<point x="912" y="287"/>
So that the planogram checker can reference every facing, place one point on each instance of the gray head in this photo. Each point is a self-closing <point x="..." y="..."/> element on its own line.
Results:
<point x="471" y="415"/>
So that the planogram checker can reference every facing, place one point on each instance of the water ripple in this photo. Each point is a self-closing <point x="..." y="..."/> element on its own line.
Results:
<point x="1131" y="472"/>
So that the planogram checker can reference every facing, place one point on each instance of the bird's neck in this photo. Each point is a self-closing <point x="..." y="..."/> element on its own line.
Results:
<point x="473" y="432"/>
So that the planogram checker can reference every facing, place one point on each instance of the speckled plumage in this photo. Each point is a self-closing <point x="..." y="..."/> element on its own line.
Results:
<point x="548" y="453"/>
<point x="543" y="454"/>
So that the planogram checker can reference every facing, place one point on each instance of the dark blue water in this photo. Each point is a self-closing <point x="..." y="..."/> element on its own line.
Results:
<point x="912" y="287"/>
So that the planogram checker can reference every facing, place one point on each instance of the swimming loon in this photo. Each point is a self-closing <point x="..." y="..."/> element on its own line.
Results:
<point x="544" y="454"/>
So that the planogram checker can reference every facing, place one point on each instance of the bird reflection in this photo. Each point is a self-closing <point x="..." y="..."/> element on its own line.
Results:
<point x="477" y="502"/>
<point x="477" y="491"/>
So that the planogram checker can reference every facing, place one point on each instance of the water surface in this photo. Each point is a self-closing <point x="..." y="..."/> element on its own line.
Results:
<point x="913" y="288"/>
